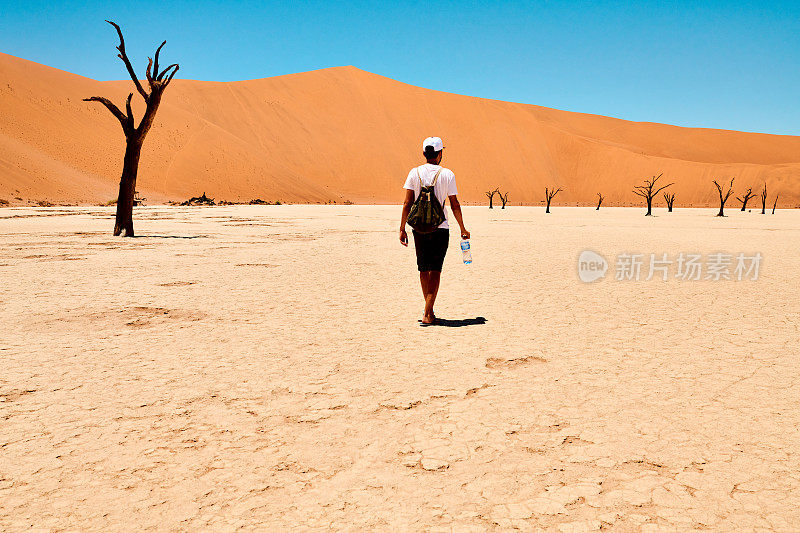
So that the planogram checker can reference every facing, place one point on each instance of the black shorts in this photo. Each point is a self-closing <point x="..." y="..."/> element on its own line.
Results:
<point x="431" y="249"/>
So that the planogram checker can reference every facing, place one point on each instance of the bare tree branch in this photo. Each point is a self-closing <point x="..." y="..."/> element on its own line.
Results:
<point x="129" y="110"/>
<point x="551" y="193"/>
<point x="172" y="75"/>
<point x="719" y="189"/>
<point x="148" y="72"/>
<point x="158" y="51"/>
<point x="161" y="77"/>
<point x="662" y="188"/>
<point x="123" y="119"/>
<point x="124" y="57"/>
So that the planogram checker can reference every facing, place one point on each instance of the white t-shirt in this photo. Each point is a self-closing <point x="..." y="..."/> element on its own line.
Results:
<point x="445" y="185"/>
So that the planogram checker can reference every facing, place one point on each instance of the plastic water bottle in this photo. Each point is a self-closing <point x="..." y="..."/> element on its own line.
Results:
<point x="466" y="255"/>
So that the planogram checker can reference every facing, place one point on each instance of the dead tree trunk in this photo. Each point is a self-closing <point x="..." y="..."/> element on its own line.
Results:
<point x="746" y="198"/>
<point x="490" y="195"/>
<point x="776" y="203"/>
<point x="648" y="191"/>
<point x="503" y="199"/>
<point x="548" y="195"/>
<point x="670" y="199"/>
<point x="127" y="186"/>
<point x="764" y="199"/>
<point x="158" y="80"/>
<point x="723" y="197"/>
<point x="599" y="201"/>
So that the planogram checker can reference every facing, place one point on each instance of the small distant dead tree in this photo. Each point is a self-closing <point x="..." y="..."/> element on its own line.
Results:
<point x="503" y="199"/>
<point x="670" y="199"/>
<point x="648" y="191"/>
<point x="548" y="195"/>
<point x="723" y="197"/>
<point x="158" y="80"/>
<point x="599" y="201"/>
<point x="764" y="199"/>
<point x="746" y="198"/>
<point x="776" y="203"/>
<point x="490" y="196"/>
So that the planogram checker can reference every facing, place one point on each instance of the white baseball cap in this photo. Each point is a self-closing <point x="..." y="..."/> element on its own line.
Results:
<point x="436" y="142"/>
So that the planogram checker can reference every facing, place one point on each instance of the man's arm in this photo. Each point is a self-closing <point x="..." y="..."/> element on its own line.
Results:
<point x="456" y="207"/>
<point x="404" y="216"/>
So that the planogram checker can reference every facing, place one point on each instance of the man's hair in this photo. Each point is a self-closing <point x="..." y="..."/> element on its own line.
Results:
<point x="431" y="154"/>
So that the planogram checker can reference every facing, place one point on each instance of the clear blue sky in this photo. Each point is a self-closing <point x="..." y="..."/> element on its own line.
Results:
<point x="724" y="64"/>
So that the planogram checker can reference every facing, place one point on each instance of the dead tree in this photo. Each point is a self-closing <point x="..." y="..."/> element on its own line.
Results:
<point x="764" y="199"/>
<point x="746" y="198"/>
<point x="490" y="196"/>
<point x="599" y="201"/>
<point x="723" y="197"/>
<point x="776" y="203"/>
<point x="648" y="191"/>
<point x="670" y="199"/>
<point x="503" y="199"/>
<point x="548" y="195"/>
<point x="158" y="80"/>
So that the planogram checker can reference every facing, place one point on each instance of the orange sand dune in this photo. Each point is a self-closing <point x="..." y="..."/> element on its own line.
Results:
<point x="344" y="134"/>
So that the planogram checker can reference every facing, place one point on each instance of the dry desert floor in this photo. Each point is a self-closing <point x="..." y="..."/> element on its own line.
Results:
<point x="261" y="367"/>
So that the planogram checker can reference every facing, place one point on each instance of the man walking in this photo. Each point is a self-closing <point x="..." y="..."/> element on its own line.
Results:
<point x="431" y="247"/>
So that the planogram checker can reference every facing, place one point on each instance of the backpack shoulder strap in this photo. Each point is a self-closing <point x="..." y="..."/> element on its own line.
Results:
<point x="436" y="177"/>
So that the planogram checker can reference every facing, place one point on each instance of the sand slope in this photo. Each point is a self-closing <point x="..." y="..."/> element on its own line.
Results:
<point x="345" y="134"/>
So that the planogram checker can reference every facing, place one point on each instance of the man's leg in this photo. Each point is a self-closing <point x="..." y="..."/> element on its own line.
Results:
<point x="430" y="294"/>
<point x="423" y="281"/>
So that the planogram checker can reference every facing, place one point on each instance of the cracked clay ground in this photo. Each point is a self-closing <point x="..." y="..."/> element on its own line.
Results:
<point x="265" y="371"/>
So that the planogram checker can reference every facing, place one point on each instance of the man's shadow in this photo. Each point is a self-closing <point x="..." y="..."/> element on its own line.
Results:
<point x="459" y="323"/>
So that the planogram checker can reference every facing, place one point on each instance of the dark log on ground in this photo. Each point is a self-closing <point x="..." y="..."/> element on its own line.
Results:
<point x="199" y="200"/>
<point x="259" y="201"/>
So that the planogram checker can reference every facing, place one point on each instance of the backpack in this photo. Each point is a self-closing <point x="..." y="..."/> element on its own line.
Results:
<point x="426" y="212"/>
